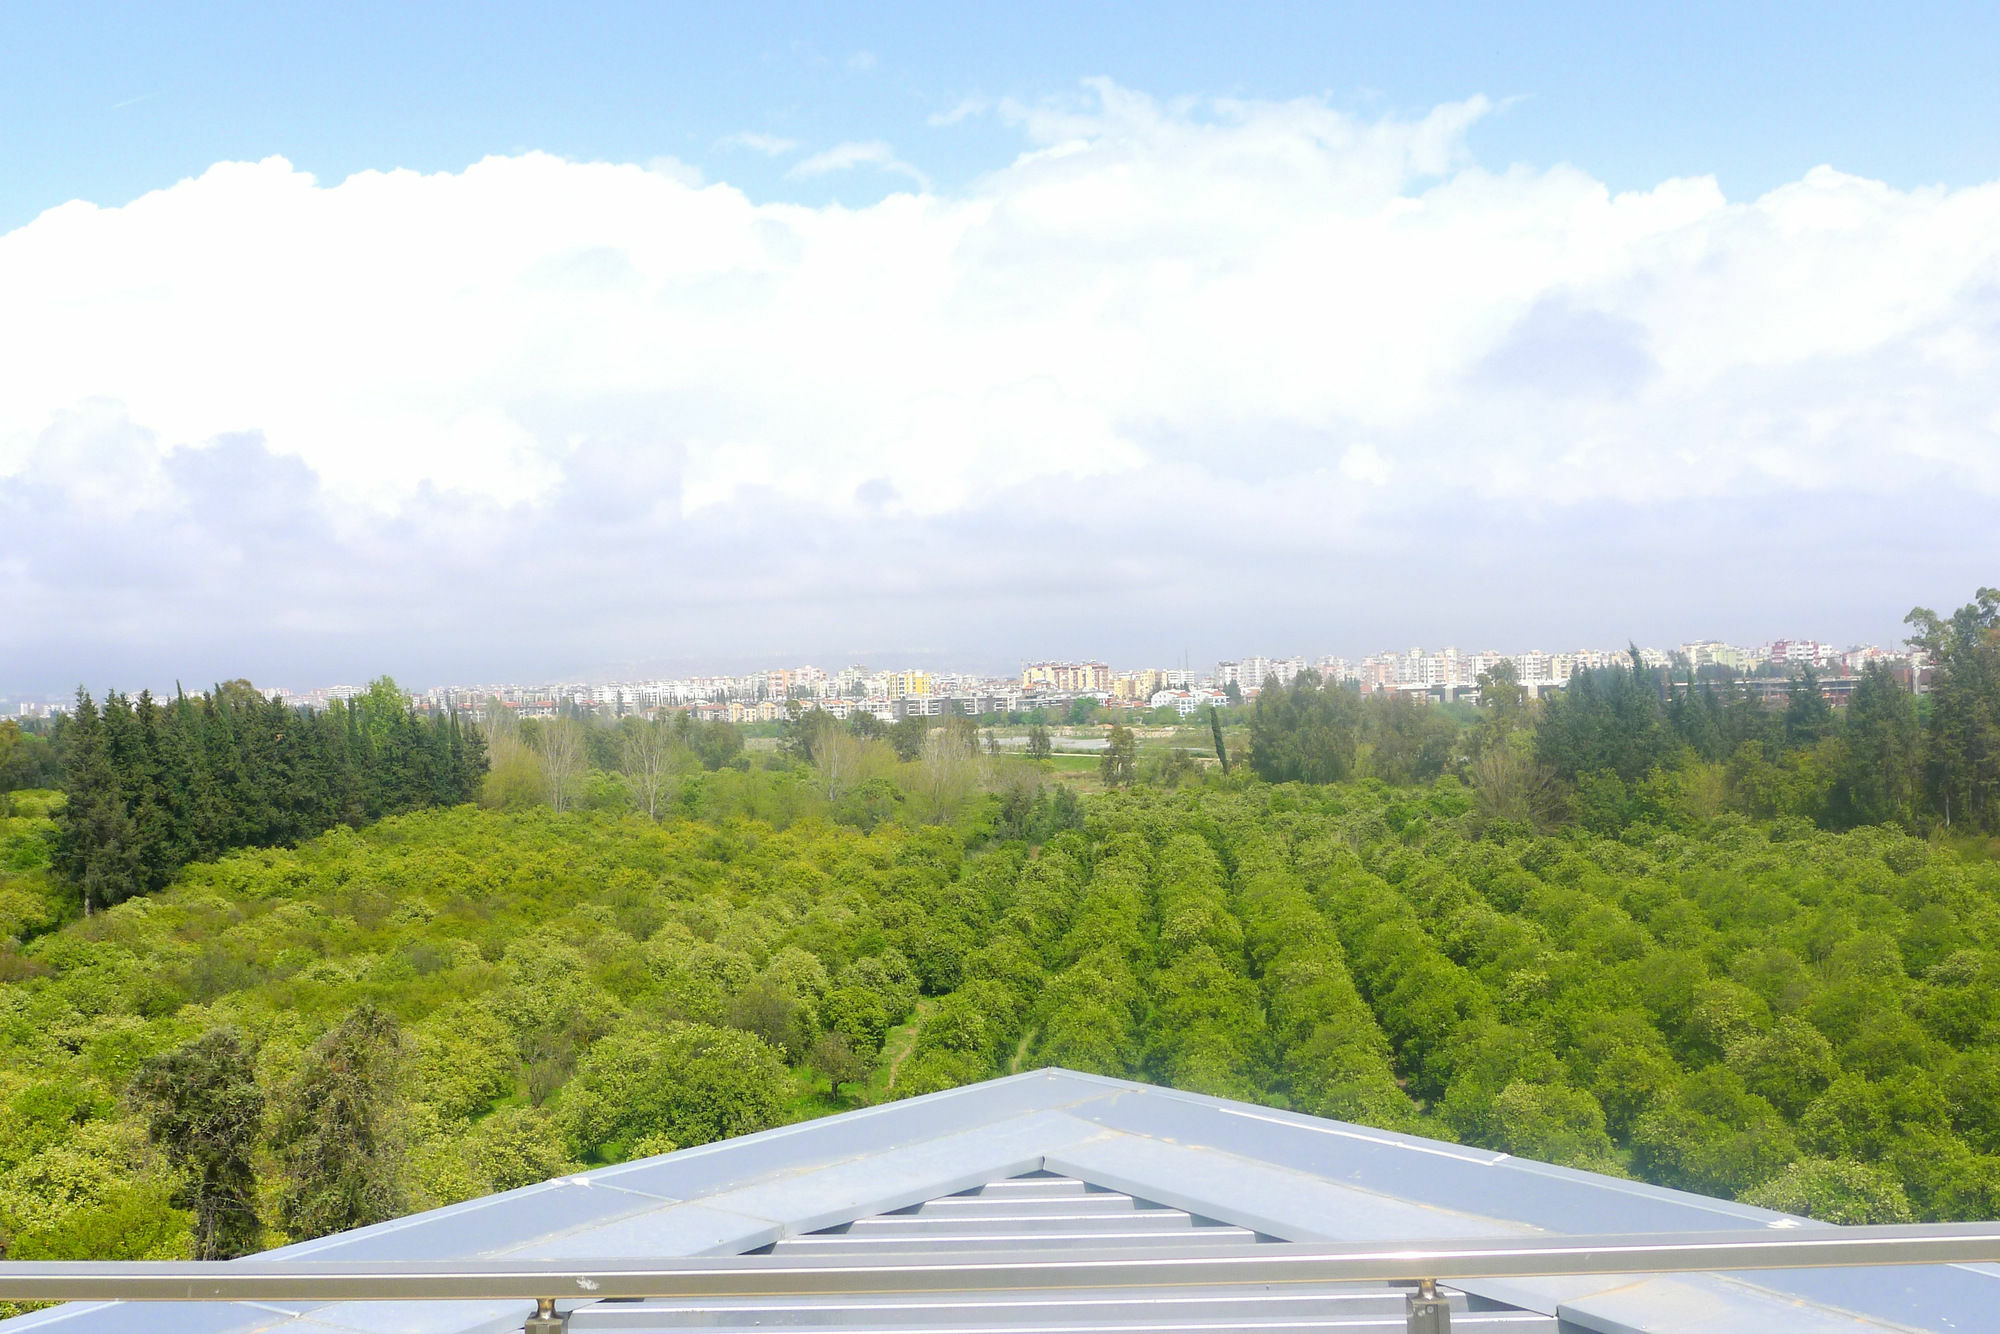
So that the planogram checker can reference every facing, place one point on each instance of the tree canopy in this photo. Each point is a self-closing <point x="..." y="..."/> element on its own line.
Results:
<point x="151" y="786"/>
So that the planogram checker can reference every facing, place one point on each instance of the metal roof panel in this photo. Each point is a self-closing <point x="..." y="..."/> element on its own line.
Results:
<point x="1276" y="1172"/>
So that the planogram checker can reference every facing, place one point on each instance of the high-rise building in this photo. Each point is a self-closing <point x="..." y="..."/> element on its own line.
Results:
<point x="1073" y="677"/>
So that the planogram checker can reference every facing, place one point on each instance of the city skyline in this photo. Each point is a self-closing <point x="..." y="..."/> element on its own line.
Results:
<point x="1446" y="664"/>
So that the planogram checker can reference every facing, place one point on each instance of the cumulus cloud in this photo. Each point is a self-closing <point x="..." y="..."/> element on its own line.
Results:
<point x="1209" y="358"/>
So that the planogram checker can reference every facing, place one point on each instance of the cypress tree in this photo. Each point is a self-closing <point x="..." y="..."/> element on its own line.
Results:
<point x="1876" y="781"/>
<point x="258" y="794"/>
<point x="287" y="802"/>
<point x="203" y="1109"/>
<point x="208" y="801"/>
<point x="1691" y="716"/>
<point x="338" y="1149"/>
<point x="161" y="828"/>
<point x="226" y="766"/>
<point x="452" y="777"/>
<point x="1962" y="741"/>
<point x="473" y="762"/>
<point x="344" y="803"/>
<point x="431" y="753"/>
<point x="399" y="759"/>
<point x="154" y="787"/>
<point x="1808" y="717"/>
<point x="361" y="749"/>
<point x="95" y="842"/>
<point x="181" y="775"/>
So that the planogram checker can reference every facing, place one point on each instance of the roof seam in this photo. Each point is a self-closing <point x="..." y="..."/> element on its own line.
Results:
<point x="1167" y="1194"/>
<point x="900" y="1107"/>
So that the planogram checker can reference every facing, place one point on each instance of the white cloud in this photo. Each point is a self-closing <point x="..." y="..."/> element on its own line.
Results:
<point x="857" y="153"/>
<point x="1212" y="269"/>
<point x="770" y="145"/>
<point x="1364" y="463"/>
<point x="971" y="106"/>
<point x="675" y="170"/>
<point x="1332" y="323"/>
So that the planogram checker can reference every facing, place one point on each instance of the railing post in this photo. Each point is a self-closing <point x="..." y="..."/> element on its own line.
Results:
<point x="546" y="1321"/>
<point x="1429" y="1313"/>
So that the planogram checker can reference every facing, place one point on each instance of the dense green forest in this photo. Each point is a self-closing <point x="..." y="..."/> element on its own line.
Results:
<point x="151" y="786"/>
<point x="1765" y="1010"/>
<point x="1644" y="926"/>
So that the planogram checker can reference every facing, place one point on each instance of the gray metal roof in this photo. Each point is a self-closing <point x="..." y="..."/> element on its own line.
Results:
<point x="957" y="1172"/>
<point x="1037" y="1212"/>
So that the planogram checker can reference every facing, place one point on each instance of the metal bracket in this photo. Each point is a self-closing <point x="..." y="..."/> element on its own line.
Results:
<point x="546" y="1321"/>
<point x="1429" y="1313"/>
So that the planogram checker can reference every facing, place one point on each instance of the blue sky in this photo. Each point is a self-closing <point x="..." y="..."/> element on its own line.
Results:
<point x="104" y="102"/>
<point x="475" y="342"/>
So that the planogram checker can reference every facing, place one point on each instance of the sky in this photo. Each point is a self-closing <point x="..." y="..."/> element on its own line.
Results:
<point x="494" y="342"/>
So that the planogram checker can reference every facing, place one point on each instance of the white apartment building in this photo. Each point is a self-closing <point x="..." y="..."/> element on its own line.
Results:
<point x="1333" y="669"/>
<point x="1715" y="653"/>
<point x="1250" y="673"/>
<point x="1186" y="702"/>
<point x="1811" y="653"/>
<point x="1077" y="677"/>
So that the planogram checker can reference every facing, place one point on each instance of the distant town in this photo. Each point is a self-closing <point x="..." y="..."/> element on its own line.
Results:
<point x="1443" y="675"/>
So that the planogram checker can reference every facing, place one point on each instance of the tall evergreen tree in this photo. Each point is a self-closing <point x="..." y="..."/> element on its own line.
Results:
<point x="96" y="847"/>
<point x="203" y="1109"/>
<point x="153" y="823"/>
<point x="222" y="747"/>
<point x="1962" y="742"/>
<point x="1808" y="716"/>
<point x="208" y="795"/>
<point x="334" y="1132"/>
<point x="1695" y="717"/>
<point x="154" y="787"/>
<point x="1609" y="719"/>
<point x="473" y="762"/>
<point x="1880" y="754"/>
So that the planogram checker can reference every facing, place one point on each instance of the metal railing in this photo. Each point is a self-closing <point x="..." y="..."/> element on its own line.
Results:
<point x="1425" y="1265"/>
